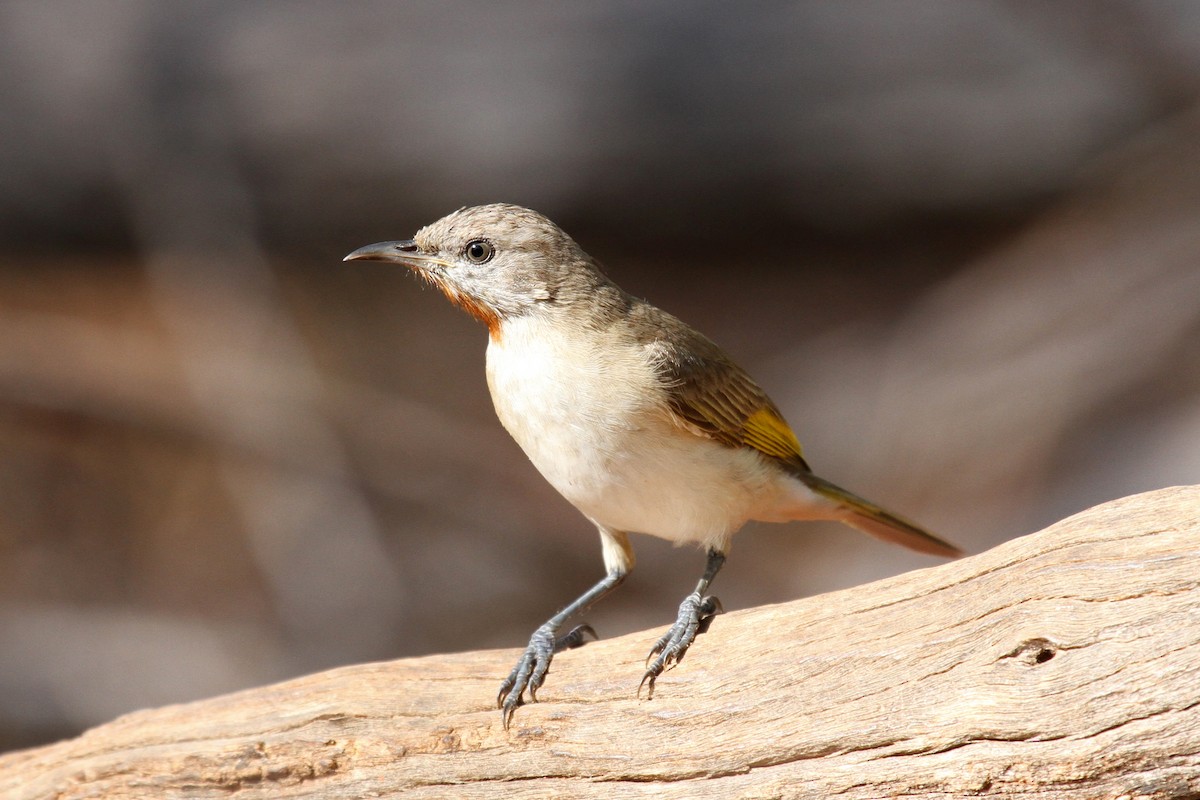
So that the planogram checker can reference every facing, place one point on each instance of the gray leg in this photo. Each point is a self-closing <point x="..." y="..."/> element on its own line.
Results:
<point x="530" y="671"/>
<point x="695" y="615"/>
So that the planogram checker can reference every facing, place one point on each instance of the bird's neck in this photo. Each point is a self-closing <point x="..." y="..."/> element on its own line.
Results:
<point x="588" y="300"/>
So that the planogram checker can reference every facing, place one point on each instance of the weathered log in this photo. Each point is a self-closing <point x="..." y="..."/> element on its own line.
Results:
<point x="1061" y="664"/>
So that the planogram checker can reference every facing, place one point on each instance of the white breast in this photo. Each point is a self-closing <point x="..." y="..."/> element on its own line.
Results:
<point x="591" y="416"/>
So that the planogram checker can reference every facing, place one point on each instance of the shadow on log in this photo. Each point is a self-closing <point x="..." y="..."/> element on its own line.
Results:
<point x="1062" y="664"/>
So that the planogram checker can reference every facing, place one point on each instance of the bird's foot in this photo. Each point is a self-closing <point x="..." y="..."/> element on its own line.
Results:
<point x="696" y="613"/>
<point x="530" y="671"/>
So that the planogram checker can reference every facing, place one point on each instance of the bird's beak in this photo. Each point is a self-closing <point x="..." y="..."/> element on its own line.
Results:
<point x="404" y="252"/>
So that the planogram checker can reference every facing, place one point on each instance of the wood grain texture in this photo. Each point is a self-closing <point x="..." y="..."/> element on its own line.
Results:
<point x="1061" y="664"/>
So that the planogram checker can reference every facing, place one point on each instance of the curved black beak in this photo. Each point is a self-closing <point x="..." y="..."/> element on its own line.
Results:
<point x="402" y="252"/>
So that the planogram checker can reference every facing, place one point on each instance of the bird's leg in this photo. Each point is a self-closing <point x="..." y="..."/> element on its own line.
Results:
<point x="530" y="671"/>
<point x="696" y="613"/>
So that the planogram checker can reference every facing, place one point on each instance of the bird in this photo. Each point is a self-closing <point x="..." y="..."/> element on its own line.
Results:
<point x="640" y="421"/>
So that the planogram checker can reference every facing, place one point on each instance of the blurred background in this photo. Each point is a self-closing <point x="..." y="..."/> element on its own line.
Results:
<point x="959" y="243"/>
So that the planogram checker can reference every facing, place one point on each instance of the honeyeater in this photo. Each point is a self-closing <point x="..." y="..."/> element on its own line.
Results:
<point x="637" y="419"/>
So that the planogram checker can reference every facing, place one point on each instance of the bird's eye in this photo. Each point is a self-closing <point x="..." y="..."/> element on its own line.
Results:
<point x="479" y="251"/>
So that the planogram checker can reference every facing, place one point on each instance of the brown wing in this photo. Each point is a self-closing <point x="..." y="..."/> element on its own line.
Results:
<point x="712" y="396"/>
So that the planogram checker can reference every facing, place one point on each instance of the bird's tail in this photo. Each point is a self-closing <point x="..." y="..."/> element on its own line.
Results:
<point x="879" y="522"/>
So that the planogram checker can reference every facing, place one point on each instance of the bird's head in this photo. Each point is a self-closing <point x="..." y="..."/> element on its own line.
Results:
<point x="495" y="261"/>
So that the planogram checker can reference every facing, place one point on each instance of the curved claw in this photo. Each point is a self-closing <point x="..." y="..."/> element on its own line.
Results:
<point x="695" y="615"/>
<point x="576" y="637"/>
<point x="530" y="672"/>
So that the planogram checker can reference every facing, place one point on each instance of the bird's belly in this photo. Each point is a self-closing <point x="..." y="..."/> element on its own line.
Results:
<point x="676" y="488"/>
<point x="641" y="481"/>
<point x="600" y="433"/>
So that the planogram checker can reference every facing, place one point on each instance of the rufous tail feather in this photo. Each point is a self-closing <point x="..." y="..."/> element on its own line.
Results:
<point x="879" y="522"/>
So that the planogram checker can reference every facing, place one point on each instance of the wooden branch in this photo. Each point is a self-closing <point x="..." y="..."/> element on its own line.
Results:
<point x="1062" y="664"/>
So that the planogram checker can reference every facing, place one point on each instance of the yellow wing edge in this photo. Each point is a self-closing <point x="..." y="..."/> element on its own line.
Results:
<point x="769" y="433"/>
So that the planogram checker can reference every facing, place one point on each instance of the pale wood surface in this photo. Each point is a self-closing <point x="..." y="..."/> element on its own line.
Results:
<point x="1061" y="664"/>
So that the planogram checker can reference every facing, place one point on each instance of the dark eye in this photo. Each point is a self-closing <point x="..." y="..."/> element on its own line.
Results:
<point x="479" y="251"/>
